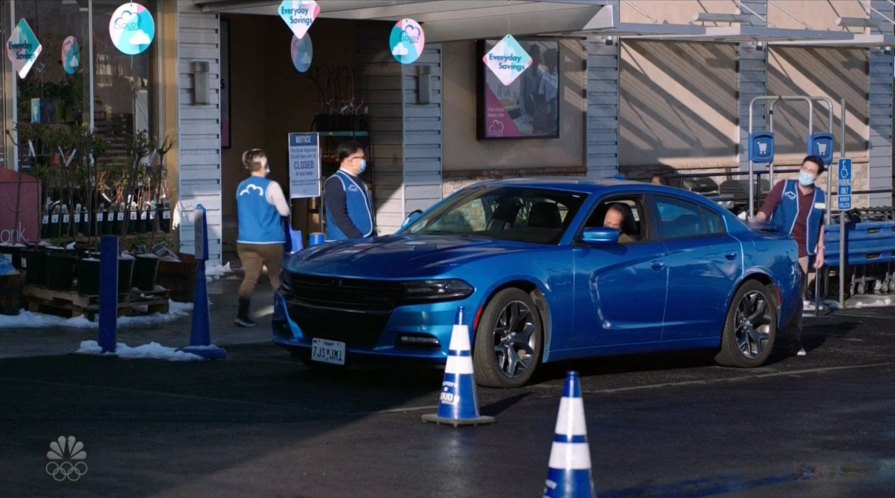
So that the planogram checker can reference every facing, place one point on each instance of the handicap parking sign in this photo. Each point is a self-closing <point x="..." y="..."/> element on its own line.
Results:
<point x="844" y="197"/>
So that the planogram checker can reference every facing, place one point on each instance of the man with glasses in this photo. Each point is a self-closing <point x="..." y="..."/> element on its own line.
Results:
<point x="797" y="208"/>
<point x="347" y="203"/>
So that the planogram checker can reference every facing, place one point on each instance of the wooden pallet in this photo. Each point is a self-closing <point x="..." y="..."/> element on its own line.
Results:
<point x="69" y="304"/>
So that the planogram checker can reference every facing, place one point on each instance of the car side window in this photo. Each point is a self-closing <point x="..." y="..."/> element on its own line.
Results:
<point x="713" y="222"/>
<point x="680" y="219"/>
<point x="631" y="222"/>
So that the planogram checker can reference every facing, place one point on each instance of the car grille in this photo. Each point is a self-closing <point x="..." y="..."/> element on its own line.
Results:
<point x="347" y="310"/>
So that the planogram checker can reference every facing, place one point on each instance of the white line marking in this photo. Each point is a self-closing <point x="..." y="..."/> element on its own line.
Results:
<point x="736" y="379"/>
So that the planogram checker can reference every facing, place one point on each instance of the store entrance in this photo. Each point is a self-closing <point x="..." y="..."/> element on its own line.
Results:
<point x="264" y="98"/>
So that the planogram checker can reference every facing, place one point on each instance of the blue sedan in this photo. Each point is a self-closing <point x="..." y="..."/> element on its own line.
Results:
<point x="542" y="279"/>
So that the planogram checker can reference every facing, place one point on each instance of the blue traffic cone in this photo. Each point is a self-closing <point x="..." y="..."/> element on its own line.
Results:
<point x="200" y="328"/>
<point x="569" y="474"/>
<point x="457" y="403"/>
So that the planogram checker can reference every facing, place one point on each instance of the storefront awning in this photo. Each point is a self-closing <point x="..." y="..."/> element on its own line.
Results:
<point x="444" y="20"/>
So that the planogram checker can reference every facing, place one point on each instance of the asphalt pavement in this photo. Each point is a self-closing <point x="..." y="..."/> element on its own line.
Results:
<point x="259" y="424"/>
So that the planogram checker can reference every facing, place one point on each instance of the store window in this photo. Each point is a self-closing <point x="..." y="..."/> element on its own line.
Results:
<point x="58" y="95"/>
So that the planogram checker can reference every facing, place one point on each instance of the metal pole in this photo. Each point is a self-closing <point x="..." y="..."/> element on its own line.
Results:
<point x="842" y="217"/>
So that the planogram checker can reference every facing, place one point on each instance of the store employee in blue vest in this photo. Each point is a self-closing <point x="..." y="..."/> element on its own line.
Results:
<point x="261" y="208"/>
<point x="797" y="207"/>
<point x="346" y="198"/>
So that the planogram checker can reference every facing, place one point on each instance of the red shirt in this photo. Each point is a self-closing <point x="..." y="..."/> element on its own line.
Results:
<point x="805" y="204"/>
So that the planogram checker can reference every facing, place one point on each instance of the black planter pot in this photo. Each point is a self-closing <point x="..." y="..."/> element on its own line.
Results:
<point x="88" y="276"/>
<point x="13" y="253"/>
<point x="11" y="293"/>
<point x="60" y="271"/>
<point x="145" y="272"/>
<point x="164" y="219"/>
<point x="125" y="273"/>
<point x="142" y="221"/>
<point x="34" y="262"/>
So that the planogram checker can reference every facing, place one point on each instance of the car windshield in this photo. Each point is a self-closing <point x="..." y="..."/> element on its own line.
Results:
<point x="507" y="213"/>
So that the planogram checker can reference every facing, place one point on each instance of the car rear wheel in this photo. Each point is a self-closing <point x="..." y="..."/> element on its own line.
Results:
<point x="750" y="328"/>
<point x="508" y="340"/>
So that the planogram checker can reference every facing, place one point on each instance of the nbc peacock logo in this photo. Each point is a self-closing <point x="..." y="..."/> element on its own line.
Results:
<point x="67" y="459"/>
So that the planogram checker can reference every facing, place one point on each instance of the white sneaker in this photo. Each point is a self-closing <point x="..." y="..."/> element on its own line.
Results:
<point x="801" y="352"/>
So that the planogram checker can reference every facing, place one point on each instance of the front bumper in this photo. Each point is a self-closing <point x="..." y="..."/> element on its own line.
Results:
<point x="405" y="333"/>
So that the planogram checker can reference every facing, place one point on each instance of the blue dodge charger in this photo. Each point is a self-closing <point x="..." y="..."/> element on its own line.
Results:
<point x="541" y="279"/>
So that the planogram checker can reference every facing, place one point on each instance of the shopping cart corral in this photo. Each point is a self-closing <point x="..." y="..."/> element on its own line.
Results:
<point x="869" y="268"/>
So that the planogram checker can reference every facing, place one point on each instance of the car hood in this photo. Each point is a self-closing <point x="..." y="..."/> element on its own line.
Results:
<point x="399" y="256"/>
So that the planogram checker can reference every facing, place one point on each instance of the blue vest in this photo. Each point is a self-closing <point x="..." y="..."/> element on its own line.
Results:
<point x="259" y="221"/>
<point x="360" y="207"/>
<point x="788" y="210"/>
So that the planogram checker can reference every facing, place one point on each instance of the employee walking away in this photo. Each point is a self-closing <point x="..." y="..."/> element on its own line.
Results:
<point x="347" y="202"/>
<point x="797" y="207"/>
<point x="261" y="206"/>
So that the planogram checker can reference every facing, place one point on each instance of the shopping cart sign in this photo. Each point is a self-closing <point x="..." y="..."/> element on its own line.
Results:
<point x="761" y="147"/>
<point x="821" y="145"/>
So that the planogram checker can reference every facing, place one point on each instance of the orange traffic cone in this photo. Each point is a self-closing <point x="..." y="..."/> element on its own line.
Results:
<point x="457" y="403"/>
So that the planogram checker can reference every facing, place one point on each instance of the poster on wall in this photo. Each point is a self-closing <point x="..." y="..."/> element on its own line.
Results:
<point x="71" y="55"/>
<point x="516" y="99"/>
<point x="304" y="165"/>
<point x="407" y="41"/>
<point x="22" y="48"/>
<point x="132" y="28"/>
<point x="302" y="51"/>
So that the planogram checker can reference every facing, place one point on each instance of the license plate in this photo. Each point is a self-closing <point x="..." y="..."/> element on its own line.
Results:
<point x="326" y="351"/>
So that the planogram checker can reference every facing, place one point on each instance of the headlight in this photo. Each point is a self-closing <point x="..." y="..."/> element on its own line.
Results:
<point x="422" y="291"/>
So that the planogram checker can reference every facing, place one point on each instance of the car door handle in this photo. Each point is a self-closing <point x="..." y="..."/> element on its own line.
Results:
<point x="730" y="255"/>
<point x="657" y="265"/>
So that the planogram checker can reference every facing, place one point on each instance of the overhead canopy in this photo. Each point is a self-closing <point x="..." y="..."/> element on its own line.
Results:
<point x="444" y="20"/>
<point x="451" y="20"/>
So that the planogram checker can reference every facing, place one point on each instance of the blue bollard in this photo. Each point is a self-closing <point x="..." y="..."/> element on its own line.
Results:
<point x="315" y="239"/>
<point x="108" y="293"/>
<point x="200" y="331"/>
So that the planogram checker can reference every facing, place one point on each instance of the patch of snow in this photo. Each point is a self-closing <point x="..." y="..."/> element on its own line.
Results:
<point x="28" y="320"/>
<point x="153" y="350"/>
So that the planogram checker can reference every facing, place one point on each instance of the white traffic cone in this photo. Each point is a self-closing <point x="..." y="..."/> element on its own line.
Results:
<point x="457" y="402"/>
<point x="569" y="469"/>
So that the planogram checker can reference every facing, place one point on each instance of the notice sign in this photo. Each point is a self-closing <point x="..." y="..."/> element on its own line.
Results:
<point x="22" y="48"/>
<point x="299" y="15"/>
<point x="304" y="165"/>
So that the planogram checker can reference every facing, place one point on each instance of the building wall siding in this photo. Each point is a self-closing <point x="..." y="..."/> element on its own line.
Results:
<point x="199" y="126"/>
<point x="423" y="137"/>
<point x="602" y="120"/>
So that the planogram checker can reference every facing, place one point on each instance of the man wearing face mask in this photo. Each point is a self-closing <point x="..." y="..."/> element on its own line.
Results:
<point x="797" y="207"/>
<point x="347" y="203"/>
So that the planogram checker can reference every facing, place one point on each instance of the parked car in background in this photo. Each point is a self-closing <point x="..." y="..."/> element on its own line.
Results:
<point x="542" y="280"/>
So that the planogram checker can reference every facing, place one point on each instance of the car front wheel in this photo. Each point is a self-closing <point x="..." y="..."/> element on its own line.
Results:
<point x="750" y="328"/>
<point x="508" y="340"/>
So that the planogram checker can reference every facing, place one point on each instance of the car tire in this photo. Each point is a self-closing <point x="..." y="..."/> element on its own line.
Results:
<point x="508" y="340"/>
<point x="750" y="328"/>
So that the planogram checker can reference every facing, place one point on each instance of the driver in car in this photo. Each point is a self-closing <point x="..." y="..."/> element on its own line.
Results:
<point x="615" y="218"/>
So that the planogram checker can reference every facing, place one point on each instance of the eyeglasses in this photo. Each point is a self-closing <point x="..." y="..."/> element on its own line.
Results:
<point x="357" y="157"/>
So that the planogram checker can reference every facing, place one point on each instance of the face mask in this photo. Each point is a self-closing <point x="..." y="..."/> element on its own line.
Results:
<point x="806" y="179"/>
<point x="362" y="167"/>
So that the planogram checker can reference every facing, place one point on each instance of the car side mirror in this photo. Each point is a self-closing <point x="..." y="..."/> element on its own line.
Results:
<point x="600" y="235"/>
<point x="413" y="216"/>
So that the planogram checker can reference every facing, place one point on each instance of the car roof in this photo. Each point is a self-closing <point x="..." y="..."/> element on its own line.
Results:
<point x="587" y="185"/>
